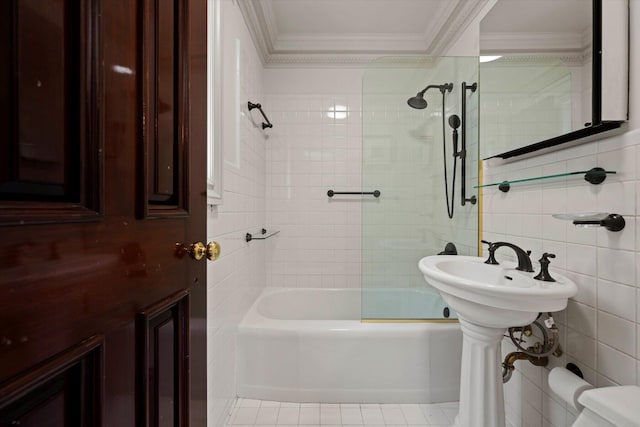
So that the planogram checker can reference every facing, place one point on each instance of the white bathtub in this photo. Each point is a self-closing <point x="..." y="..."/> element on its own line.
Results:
<point x="309" y="345"/>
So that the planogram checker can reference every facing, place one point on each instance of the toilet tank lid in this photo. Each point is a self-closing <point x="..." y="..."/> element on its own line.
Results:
<point x="619" y="405"/>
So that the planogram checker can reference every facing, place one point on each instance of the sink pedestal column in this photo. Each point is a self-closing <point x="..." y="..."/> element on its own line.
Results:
<point x="481" y="393"/>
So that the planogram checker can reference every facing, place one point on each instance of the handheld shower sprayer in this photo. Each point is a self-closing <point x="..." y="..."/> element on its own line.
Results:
<point x="454" y="122"/>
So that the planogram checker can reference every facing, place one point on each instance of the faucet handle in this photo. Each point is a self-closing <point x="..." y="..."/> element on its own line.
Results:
<point x="544" y="268"/>
<point x="492" y="256"/>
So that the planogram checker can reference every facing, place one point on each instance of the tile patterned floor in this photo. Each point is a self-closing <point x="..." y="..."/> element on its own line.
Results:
<point x="248" y="412"/>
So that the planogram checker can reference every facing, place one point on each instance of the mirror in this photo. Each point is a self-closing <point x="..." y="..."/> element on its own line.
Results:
<point x="557" y="73"/>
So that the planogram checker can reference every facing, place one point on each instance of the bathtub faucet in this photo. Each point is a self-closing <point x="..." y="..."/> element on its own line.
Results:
<point x="449" y="249"/>
<point x="524" y="262"/>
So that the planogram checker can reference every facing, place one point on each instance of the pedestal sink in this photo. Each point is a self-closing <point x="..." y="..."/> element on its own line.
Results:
<point x="488" y="300"/>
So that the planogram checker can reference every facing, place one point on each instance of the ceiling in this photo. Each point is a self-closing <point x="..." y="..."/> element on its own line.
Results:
<point x="343" y="31"/>
<point x="356" y="31"/>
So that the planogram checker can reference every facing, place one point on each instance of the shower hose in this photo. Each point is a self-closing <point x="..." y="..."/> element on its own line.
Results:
<point x="450" y="204"/>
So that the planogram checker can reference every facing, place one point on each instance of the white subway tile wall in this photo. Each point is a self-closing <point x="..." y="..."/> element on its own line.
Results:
<point x="600" y="329"/>
<point x="315" y="145"/>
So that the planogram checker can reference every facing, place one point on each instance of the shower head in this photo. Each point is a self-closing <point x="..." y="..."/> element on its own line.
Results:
<point x="418" y="101"/>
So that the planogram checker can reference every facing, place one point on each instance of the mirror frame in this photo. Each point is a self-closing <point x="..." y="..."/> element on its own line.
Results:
<point x="599" y="126"/>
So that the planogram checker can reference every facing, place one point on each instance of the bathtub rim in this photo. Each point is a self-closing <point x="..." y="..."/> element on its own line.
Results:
<point x="254" y="317"/>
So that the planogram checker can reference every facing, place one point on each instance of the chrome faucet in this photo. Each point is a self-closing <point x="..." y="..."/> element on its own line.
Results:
<point x="524" y="262"/>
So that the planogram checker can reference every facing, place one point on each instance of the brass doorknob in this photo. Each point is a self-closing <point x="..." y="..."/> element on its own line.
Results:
<point x="213" y="251"/>
<point x="198" y="250"/>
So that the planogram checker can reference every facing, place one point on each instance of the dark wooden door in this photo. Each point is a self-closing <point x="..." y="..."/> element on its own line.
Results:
<point x="102" y="172"/>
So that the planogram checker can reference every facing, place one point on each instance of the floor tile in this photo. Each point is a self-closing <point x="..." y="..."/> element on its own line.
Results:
<point x="288" y="415"/>
<point x="372" y="415"/>
<point x="435" y="415"/>
<point x="370" y="405"/>
<point x="257" y="413"/>
<point x="350" y="405"/>
<point x="309" y="415"/>
<point x="289" y="405"/>
<point x="245" y="416"/>
<point x="330" y="415"/>
<point x="309" y="405"/>
<point x="351" y="415"/>
<point x="413" y="414"/>
<point x="249" y="403"/>
<point x="269" y="404"/>
<point x="392" y="415"/>
<point x="267" y="415"/>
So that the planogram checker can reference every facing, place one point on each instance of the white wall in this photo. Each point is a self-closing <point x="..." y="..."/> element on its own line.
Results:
<point x="235" y="279"/>
<point x="601" y="326"/>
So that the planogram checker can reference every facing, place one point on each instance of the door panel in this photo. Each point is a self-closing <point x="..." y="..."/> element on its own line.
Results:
<point x="164" y="41"/>
<point x="162" y="362"/>
<point x="50" y="150"/>
<point x="76" y="268"/>
<point x="63" y="392"/>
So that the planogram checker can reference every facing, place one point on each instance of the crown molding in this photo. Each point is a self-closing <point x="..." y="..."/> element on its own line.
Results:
<point x="256" y="24"/>
<point x="463" y="13"/>
<point x="323" y="60"/>
<point x="315" y="60"/>
<point x="270" y="22"/>
<point x="356" y="43"/>
<point x="276" y="49"/>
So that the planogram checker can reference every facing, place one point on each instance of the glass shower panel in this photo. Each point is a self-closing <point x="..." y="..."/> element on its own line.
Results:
<point x="403" y="158"/>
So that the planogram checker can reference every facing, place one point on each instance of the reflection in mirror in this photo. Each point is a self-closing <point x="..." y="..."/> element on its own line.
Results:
<point x="529" y="99"/>
<point x="544" y="86"/>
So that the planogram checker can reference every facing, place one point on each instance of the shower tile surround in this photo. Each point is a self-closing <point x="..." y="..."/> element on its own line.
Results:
<point x="315" y="146"/>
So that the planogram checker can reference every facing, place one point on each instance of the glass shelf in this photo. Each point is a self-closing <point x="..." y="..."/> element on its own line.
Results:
<point x="593" y="176"/>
